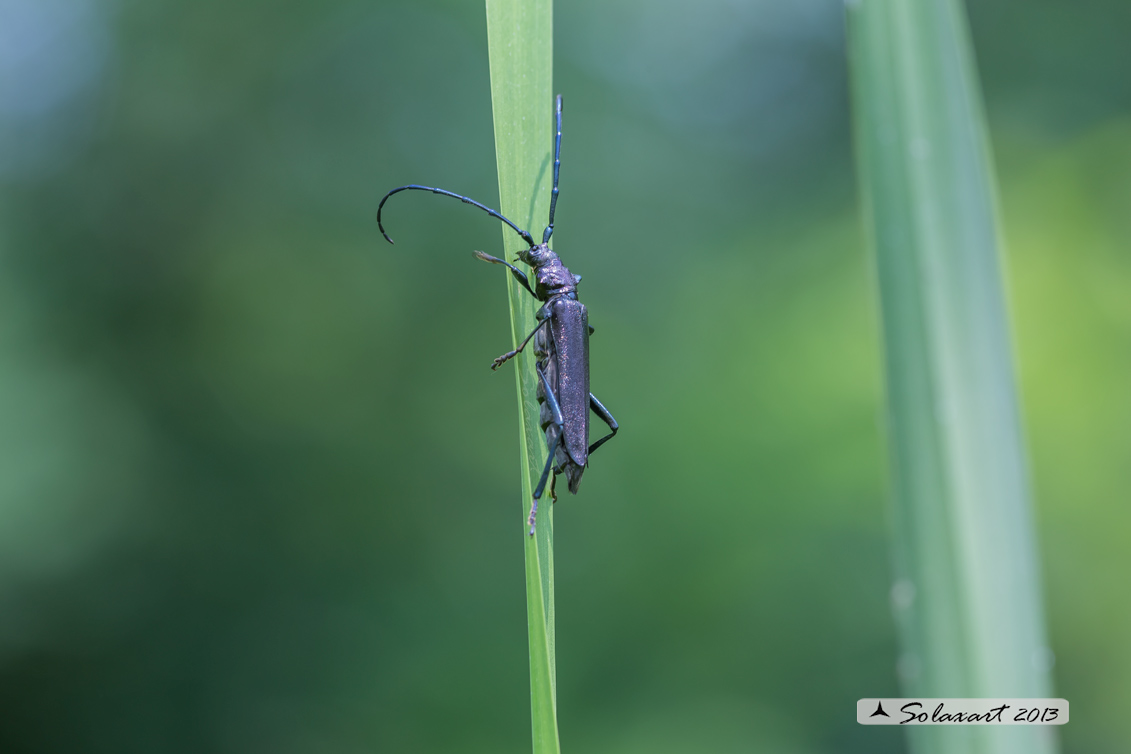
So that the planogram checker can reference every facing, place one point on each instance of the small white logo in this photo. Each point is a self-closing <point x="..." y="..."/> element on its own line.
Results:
<point x="962" y="711"/>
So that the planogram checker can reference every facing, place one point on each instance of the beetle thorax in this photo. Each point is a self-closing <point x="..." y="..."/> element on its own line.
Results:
<point x="554" y="277"/>
<point x="551" y="275"/>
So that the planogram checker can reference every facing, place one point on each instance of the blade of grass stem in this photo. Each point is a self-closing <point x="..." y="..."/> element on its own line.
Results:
<point x="967" y="595"/>
<point x="520" y="50"/>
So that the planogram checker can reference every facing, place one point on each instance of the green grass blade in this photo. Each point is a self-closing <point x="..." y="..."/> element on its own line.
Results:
<point x="967" y="598"/>
<point x="520" y="49"/>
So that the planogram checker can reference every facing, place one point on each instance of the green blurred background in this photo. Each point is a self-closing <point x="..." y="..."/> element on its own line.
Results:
<point x="259" y="489"/>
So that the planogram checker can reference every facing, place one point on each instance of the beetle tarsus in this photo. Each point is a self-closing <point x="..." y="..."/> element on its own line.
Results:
<point x="499" y="361"/>
<point x="511" y="354"/>
<point x="533" y="515"/>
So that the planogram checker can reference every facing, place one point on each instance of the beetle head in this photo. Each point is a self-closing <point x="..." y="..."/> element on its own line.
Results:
<point x="537" y="256"/>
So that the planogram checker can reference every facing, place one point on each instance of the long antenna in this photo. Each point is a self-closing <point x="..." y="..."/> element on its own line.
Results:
<point x="557" y="167"/>
<point x="525" y="236"/>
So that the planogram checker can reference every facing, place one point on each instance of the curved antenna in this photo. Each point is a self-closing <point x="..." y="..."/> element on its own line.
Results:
<point x="557" y="167"/>
<point x="525" y="236"/>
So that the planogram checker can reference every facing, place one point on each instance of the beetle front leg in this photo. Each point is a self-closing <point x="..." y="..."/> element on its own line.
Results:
<point x="519" y="275"/>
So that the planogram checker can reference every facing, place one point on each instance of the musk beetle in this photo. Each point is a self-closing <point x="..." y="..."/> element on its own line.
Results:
<point x="561" y="344"/>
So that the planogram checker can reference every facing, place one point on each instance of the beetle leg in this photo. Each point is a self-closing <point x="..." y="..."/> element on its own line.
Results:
<point x="511" y="354"/>
<point x="559" y="424"/>
<point x="606" y="417"/>
<point x="519" y="275"/>
<point x="542" y="482"/>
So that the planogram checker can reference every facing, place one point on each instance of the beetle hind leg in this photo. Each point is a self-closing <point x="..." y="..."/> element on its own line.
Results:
<point x="606" y="417"/>
<point x="542" y="482"/>
<point x="559" y="425"/>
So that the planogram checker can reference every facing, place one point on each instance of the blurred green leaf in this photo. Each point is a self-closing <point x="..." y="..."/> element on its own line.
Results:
<point x="967" y="598"/>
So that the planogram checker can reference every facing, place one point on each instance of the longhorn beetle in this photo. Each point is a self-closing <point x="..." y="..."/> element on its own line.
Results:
<point x="562" y="353"/>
